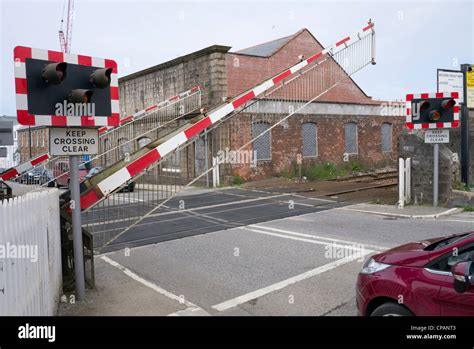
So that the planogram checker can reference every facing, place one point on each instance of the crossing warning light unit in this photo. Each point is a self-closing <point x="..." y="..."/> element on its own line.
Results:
<point x="62" y="89"/>
<point x="432" y="110"/>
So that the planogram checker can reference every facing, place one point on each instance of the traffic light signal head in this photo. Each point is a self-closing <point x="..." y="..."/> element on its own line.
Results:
<point x="54" y="73"/>
<point x="448" y="104"/>
<point x="48" y="81"/>
<point x="100" y="78"/>
<point x="80" y="95"/>
<point x="432" y="110"/>
<point x="423" y="105"/>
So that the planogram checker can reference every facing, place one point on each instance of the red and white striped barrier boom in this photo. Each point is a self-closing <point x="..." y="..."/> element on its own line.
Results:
<point x="28" y="165"/>
<point x="108" y="185"/>
<point x="22" y="168"/>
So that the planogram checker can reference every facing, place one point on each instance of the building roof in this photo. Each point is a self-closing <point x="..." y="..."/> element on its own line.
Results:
<point x="9" y="118"/>
<point x="266" y="49"/>
<point x="179" y="60"/>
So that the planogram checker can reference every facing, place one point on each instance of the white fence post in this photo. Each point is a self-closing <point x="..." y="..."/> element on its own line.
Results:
<point x="408" y="180"/>
<point x="215" y="172"/>
<point x="404" y="182"/>
<point x="30" y="270"/>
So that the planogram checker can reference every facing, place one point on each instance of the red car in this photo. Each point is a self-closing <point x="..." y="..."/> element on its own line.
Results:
<point x="427" y="278"/>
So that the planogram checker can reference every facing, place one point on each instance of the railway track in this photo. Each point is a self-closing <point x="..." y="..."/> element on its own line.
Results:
<point x="369" y="177"/>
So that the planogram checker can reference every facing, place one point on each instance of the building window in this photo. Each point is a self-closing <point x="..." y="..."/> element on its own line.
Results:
<point x="386" y="137"/>
<point x="262" y="145"/>
<point x="350" y="138"/>
<point x="124" y="146"/>
<point x="309" y="135"/>
<point x="143" y="141"/>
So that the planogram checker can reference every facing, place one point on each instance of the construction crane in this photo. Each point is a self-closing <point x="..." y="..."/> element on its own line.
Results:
<point x="66" y="38"/>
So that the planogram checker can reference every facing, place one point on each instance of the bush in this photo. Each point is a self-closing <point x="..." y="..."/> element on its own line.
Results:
<point x="238" y="180"/>
<point x="323" y="171"/>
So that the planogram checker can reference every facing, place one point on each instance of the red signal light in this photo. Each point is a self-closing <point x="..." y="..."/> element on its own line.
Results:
<point x="424" y="105"/>
<point x="448" y="103"/>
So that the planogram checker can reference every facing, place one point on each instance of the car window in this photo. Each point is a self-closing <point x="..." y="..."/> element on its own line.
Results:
<point x="447" y="261"/>
<point x="440" y="244"/>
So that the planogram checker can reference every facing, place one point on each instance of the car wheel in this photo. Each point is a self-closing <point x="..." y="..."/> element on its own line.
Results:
<point x="131" y="187"/>
<point x="391" y="309"/>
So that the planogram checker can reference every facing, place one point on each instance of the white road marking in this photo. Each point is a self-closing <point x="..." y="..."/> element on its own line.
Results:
<point x="312" y="241"/>
<point x="318" y="237"/>
<point x="149" y="284"/>
<point x="312" y="198"/>
<point x="190" y="312"/>
<point x="282" y="284"/>
<point x="457" y="220"/>
<point x="401" y="215"/>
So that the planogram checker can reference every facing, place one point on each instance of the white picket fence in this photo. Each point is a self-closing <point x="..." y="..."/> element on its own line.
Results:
<point x="30" y="254"/>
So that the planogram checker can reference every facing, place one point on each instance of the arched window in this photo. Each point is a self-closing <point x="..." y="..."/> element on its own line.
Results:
<point x="124" y="146"/>
<point x="106" y="158"/>
<point x="143" y="141"/>
<point x="309" y="135"/>
<point x="350" y="138"/>
<point x="386" y="137"/>
<point x="262" y="145"/>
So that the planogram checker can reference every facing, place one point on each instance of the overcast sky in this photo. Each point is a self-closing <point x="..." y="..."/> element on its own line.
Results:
<point x="413" y="38"/>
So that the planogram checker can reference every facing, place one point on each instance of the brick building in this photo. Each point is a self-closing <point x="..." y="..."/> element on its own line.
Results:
<point x="32" y="141"/>
<point x="343" y="124"/>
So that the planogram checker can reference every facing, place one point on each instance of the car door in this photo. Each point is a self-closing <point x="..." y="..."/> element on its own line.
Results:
<point x="451" y="302"/>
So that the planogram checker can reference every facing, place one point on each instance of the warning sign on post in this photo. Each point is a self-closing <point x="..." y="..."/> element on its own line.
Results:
<point x="437" y="136"/>
<point x="73" y="141"/>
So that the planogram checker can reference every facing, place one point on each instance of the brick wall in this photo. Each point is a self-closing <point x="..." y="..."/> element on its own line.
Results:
<point x="286" y="141"/>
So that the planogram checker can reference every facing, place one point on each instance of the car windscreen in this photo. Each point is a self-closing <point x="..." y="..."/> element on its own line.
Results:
<point x="442" y="243"/>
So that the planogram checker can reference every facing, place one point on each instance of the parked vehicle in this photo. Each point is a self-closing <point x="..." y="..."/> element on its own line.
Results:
<point x="94" y="171"/>
<point x="129" y="188"/>
<point x="38" y="175"/>
<point x="426" y="278"/>
<point x="61" y="173"/>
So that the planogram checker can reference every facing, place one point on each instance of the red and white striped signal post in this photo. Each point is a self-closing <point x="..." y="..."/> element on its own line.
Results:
<point x="431" y="112"/>
<point x="73" y="95"/>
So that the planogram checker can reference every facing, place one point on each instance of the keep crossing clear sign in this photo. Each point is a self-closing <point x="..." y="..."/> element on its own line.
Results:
<point x="73" y="141"/>
<point x="437" y="136"/>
